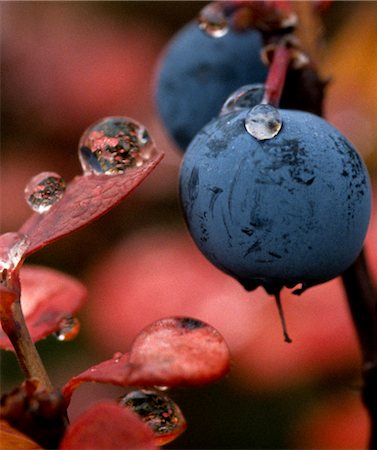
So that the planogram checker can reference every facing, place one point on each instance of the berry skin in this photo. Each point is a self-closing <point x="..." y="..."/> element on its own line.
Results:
<point x="277" y="212"/>
<point x="198" y="73"/>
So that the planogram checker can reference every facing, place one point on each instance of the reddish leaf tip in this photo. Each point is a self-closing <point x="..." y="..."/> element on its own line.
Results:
<point x="107" y="425"/>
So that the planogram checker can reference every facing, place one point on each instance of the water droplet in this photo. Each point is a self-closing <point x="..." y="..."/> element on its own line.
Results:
<point x="113" y="145"/>
<point x="44" y="190"/>
<point x="69" y="328"/>
<point x="263" y="122"/>
<point x="212" y="20"/>
<point x="158" y="411"/>
<point x="12" y="248"/>
<point x="246" y="97"/>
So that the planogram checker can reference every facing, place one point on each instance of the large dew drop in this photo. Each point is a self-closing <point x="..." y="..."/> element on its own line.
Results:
<point x="212" y="20"/>
<point x="245" y="97"/>
<point x="44" y="190"/>
<point x="158" y="411"/>
<point x="69" y="328"/>
<point x="263" y="122"/>
<point x="113" y="145"/>
<point x="13" y="246"/>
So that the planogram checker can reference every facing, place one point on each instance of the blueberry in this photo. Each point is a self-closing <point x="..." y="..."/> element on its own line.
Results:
<point x="198" y="73"/>
<point x="277" y="212"/>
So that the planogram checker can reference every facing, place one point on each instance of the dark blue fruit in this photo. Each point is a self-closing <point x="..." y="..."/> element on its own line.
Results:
<point x="198" y="73"/>
<point x="278" y="212"/>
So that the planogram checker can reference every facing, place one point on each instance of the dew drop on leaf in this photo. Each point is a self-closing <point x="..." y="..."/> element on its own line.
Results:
<point x="69" y="328"/>
<point x="263" y="122"/>
<point x="44" y="190"/>
<point x="245" y="97"/>
<point x="158" y="411"/>
<point x="212" y="20"/>
<point x="113" y="145"/>
<point x="13" y="245"/>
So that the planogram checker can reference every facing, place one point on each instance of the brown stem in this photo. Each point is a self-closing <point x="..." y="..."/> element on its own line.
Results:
<point x="362" y="301"/>
<point x="13" y="324"/>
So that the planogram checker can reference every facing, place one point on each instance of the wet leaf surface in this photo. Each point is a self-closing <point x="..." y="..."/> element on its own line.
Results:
<point x="87" y="197"/>
<point x="177" y="351"/>
<point x="107" y="425"/>
<point x="47" y="298"/>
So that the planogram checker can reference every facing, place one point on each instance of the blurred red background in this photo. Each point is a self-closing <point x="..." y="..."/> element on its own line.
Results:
<point x="67" y="64"/>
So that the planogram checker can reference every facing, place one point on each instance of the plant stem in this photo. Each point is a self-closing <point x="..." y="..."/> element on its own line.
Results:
<point x="276" y="75"/>
<point x="362" y="301"/>
<point x="13" y="324"/>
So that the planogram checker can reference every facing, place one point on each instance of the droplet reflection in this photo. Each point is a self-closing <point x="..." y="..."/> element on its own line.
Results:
<point x="44" y="190"/>
<point x="212" y="20"/>
<point x="263" y="122"/>
<point x="13" y="246"/>
<point x="158" y="411"/>
<point x="69" y="328"/>
<point x="113" y="145"/>
<point x="246" y="97"/>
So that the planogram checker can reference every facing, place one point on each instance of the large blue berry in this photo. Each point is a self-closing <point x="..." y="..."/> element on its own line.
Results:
<point x="198" y="72"/>
<point x="276" y="212"/>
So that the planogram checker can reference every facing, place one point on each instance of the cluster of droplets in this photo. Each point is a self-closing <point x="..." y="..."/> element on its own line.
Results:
<point x="212" y="20"/>
<point x="263" y="121"/>
<point x="108" y="147"/>
<point x="113" y="145"/>
<point x="158" y="411"/>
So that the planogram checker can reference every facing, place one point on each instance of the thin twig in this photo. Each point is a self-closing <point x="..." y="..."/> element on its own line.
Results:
<point x="13" y="324"/>
<point x="362" y="302"/>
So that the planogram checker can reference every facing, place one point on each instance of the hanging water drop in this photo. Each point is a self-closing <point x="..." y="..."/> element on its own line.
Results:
<point x="158" y="411"/>
<point x="245" y="97"/>
<point x="69" y="328"/>
<point x="44" y="190"/>
<point x="263" y="122"/>
<point x="212" y="20"/>
<point x="113" y="145"/>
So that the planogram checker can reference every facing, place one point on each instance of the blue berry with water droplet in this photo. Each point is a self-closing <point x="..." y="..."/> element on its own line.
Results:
<point x="198" y="73"/>
<point x="292" y="209"/>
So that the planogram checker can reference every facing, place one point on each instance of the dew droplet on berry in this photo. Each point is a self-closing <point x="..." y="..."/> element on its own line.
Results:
<point x="212" y="20"/>
<point x="158" y="411"/>
<point x="69" y="328"/>
<point x="113" y="145"/>
<point x="263" y="122"/>
<point x="246" y="97"/>
<point x="44" y="190"/>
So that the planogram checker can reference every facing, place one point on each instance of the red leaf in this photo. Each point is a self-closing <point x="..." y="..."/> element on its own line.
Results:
<point x="12" y="439"/>
<point x="176" y="351"/>
<point x="47" y="297"/>
<point x="86" y="198"/>
<point x="107" y="425"/>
